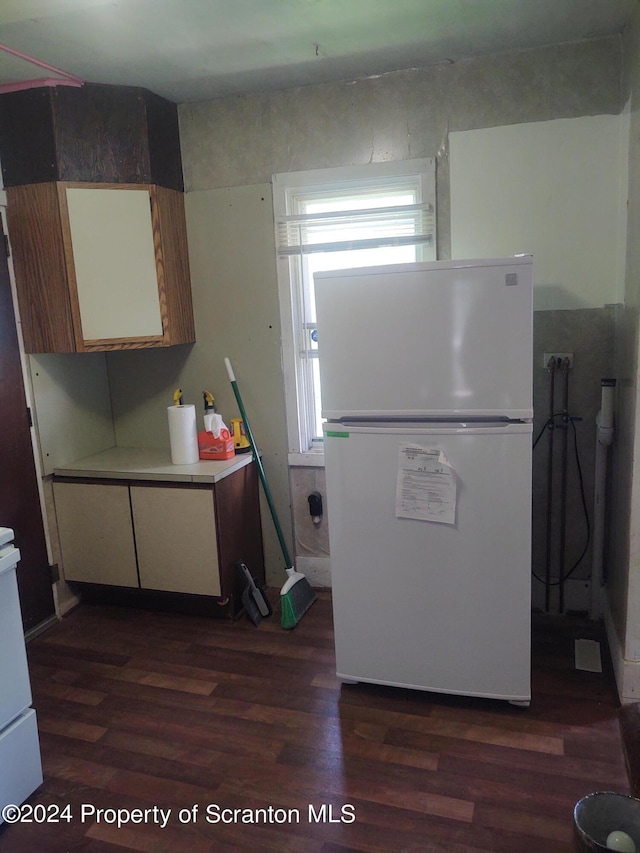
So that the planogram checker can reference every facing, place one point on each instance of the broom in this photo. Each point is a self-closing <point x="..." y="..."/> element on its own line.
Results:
<point x="296" y="596"/>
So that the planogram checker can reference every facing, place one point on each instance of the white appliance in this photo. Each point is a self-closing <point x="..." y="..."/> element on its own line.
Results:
<point x="20" y="764"/>
<point x="426" y="377"/>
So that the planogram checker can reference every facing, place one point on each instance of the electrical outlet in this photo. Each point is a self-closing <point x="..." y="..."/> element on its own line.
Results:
<point x="559" y="358"/>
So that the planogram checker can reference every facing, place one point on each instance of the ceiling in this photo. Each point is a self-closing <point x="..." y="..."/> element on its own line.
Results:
<point x="190" y="50"/>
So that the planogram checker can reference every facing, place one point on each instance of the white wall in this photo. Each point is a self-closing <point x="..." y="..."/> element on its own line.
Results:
<point x="235" y="300"/>
<point x="73" y="415"/>
<point x="553" y="189"/>
<point x="623" y="622"/>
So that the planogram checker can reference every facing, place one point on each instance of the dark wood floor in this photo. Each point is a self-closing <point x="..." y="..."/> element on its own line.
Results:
<point x="140" y="710"/>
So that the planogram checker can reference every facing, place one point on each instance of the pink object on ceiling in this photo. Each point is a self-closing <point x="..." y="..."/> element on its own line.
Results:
<point x="65" y="79"/>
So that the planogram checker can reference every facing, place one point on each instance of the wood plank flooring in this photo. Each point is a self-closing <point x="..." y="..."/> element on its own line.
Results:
<point x="190" y="716"/>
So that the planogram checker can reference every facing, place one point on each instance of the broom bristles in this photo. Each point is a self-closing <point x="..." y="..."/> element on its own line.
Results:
<point x="296" y="598"/>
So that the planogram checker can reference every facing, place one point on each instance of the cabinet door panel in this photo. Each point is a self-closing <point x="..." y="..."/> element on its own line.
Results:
<point x="96" y="533"/>
<point x="176" y="539"/>
<point x="114" y="262"/>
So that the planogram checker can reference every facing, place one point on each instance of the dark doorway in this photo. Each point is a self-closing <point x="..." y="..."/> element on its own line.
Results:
<point x="19" y="498"/>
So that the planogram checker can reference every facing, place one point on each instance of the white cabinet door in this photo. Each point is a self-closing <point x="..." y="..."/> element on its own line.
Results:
<point x="96" y="533"/>
<point x="114" y="261"/>
<point x="176" y="539"/>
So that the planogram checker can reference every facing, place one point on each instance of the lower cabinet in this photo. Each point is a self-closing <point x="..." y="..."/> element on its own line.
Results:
<point x="164" y="538"/>
<point x="176" y="540"/>
<point x="96" y="533"/>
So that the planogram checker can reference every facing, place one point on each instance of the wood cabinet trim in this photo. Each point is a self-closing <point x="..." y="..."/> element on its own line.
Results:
<point x="174" y="287"/>
<point x="101" y="345"/>
<point x="70" y="266"/>
<point x="46" y="274"/>
<point x="160" y="263"/>
<point x="84" y="185"/>
<point x="35" y="233"/>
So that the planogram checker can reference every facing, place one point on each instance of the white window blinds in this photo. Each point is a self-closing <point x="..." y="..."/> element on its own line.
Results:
<point x="401" y="225"/>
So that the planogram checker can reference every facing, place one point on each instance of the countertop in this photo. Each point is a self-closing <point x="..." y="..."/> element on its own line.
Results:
<point x="136" y="463"/>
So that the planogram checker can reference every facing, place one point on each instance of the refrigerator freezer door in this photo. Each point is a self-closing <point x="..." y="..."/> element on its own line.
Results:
<point x="423" y="604"/>
<point x="427" y="340"/>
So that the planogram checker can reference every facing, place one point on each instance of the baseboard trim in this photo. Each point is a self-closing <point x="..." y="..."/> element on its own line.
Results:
<point x="626" y="671"/>
<point x="630" y="731"/>
<point x="317" y="570"/>
<point x="32" y="633"/>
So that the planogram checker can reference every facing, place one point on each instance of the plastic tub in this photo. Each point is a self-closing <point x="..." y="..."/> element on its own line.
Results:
<point x="601" y="813"/>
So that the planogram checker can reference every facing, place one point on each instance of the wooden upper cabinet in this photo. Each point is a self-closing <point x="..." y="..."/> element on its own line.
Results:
<point x="100" y="266"/>
<point x="93" y="176"/>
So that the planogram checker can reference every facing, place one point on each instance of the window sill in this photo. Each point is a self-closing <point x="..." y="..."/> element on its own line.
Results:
<point x="311" y="459"/>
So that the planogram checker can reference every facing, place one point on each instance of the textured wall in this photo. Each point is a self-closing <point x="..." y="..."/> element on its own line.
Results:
<point x="240" y="142"/>
<point x="397" y="116"/>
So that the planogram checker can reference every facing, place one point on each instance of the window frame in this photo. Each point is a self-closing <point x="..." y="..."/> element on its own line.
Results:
<point x="286" y="187"/>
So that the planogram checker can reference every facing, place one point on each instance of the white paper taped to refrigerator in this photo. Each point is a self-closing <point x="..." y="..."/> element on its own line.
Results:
<point x="426" y="488"/>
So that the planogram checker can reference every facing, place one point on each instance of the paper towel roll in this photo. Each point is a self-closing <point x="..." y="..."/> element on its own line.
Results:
<point x="183" y="435"/>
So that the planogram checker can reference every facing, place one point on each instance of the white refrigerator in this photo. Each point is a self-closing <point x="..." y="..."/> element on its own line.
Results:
<point x="426" y="378"/>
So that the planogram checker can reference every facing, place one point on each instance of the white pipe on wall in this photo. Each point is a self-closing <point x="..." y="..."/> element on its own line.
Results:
<point x="605" y="432"/>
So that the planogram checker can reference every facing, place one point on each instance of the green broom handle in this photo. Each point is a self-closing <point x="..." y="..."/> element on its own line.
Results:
<point x="256" y="456"/>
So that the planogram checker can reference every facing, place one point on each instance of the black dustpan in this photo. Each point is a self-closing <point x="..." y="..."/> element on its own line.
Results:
<point x="255" y="602"/>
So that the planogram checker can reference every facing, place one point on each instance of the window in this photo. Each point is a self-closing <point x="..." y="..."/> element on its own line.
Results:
<point x="382" y="213"/>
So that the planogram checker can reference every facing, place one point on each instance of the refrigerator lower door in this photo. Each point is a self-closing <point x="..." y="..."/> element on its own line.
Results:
<point x="433" y="605"/>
